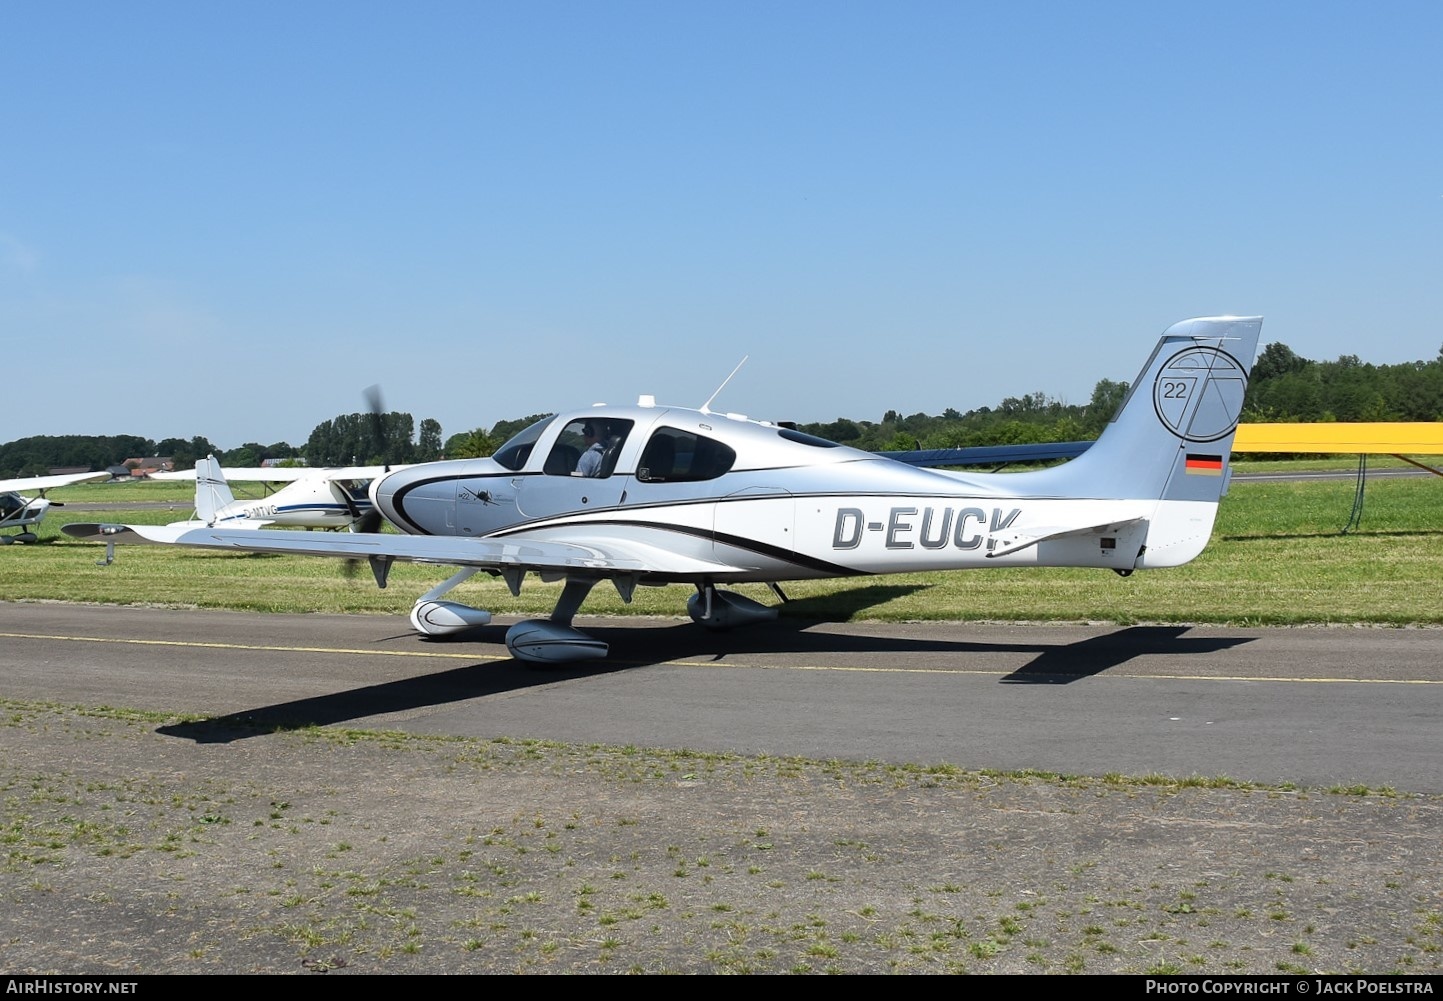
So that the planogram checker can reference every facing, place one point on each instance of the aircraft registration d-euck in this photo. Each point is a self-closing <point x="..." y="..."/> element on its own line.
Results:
<point x="20" y="511"/>
<point x="682" y="496"/>
<point x="314" y="498"/>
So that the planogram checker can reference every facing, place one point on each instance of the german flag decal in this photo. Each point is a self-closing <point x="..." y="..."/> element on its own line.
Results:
<point x="1204" y="465"/>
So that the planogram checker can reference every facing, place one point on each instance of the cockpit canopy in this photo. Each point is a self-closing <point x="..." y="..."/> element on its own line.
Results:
<point x="679" y="446"/>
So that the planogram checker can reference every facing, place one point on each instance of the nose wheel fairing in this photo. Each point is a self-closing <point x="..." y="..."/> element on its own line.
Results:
<point x="443" y="618"/>
<point x="541" y="641"/>
<point x="554" y="640"/>
<point x="721" y="610"/>
<point x="535" y="641"/>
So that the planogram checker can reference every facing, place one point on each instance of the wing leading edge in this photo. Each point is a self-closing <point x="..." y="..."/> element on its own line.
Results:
<point x="37" y="483"/>
<point x="602" y="560"/>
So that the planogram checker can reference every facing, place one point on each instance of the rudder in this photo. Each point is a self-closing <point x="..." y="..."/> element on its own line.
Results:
<point x="1172" y="436"/>
<point x="212" y="492"/>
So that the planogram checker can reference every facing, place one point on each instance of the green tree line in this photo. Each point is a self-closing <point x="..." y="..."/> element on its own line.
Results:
<point x="1284" y="387"/>
<point x="368" y="439"/>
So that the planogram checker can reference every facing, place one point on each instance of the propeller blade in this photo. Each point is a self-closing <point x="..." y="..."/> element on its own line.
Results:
<point x="371" y="521"/>
<point x="378" y="422"/>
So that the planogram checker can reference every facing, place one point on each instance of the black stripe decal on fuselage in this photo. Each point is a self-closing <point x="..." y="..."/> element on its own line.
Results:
<point x="735" y="541"/>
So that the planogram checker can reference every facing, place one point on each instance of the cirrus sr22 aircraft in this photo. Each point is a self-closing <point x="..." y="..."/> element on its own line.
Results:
<point x="694" y="497"/>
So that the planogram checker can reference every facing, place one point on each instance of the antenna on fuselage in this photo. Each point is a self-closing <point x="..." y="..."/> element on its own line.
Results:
<point x="706" y="407"/>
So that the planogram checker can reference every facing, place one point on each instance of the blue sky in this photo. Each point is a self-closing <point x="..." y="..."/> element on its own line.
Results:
<point x="230" y="219"/>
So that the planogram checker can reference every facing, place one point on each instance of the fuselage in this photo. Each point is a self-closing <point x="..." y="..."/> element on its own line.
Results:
<point x="316" y="502"/>
<point x="759" y="501"/>
<point x="17" y="510"/>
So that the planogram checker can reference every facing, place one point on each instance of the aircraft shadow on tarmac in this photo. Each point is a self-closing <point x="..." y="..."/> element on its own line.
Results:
<point x="645" y="646"/>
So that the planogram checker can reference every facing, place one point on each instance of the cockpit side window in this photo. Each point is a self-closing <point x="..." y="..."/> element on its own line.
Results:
<point x="676" y="456"/>
<point x="587" y="447"/>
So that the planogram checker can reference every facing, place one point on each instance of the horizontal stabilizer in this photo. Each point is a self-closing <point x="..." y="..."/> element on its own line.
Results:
<point x="1017" y="541"/>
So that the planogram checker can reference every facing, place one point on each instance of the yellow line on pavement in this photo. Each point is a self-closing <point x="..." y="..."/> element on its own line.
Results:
<point x="259" y="646"/>
<point x="999" y="673"/>
<point x="834" y="668"/>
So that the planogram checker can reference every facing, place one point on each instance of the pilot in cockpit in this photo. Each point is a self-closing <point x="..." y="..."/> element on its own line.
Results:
<point x="594" y="435"/>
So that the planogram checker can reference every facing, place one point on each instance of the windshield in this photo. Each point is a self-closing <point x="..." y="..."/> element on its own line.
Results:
<point x="514" y="453"/>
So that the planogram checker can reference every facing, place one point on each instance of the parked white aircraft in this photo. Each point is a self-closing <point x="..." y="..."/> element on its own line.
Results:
<point x="25" y="513"/>
<point x="705" y="499"/>
<point x="332" y="498"/>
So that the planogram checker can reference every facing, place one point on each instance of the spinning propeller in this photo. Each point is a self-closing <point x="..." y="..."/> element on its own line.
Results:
<point x="369" y="520"/>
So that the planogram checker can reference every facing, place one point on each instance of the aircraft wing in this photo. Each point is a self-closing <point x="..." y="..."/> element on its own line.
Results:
<point x="990" y="455"/>
<point x="245" y="474"/>
<point x="603" y="558"/>
<point x="26" y="483"/>
<point x="237" y="524"/>
<point x="283" y="474"/>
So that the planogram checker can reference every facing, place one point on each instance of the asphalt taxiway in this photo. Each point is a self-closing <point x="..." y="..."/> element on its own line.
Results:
<point x="1319" y="707"/>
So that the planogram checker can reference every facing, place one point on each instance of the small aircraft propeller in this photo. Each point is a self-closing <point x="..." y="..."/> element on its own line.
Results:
<point x="378" y="421"/>
<point x="369" y="520"/>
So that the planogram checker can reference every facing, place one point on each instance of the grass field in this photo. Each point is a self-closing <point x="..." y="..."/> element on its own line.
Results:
<point x="1278" y="556"/>
<point x="386" y="852"/>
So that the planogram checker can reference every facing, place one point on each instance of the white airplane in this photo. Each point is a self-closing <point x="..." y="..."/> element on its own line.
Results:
<point x="334" y="498"/>
<point x="706" y="499"/>
<point x="25" y="513"/>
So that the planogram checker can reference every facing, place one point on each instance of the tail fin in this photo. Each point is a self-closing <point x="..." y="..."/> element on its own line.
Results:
<point x="1171" y="438"/>
<point x="212" y="493"/>
<point x="1169" y="445"/>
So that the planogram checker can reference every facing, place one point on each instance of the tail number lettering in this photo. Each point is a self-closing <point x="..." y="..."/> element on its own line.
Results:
<point x="928" y="527"/>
